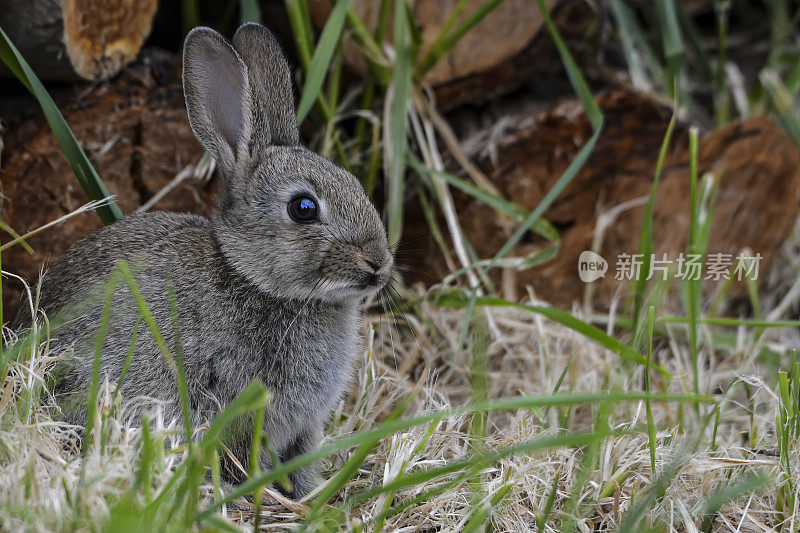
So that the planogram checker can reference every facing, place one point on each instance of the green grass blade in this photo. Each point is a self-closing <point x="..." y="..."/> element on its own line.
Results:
<point x="414" y="29"/>
<point x="127" y="275"/>
<point x="573" y="507"/>
<point x="511" y="210"/>
<point x="190" y="15"/>
<point x="183" y="393"/>
<point x="468" y="468"/>
<point x="651" y="426"/>
<point x="126" y="365"/>
<point x="317" y="519"/>
<point x="320" y="61"/>
<point x="370" y="47"/>
<point x="479" y="377"/>
<point x="91" y="183"/>
<point x="638" y="52"/>
<point x="252" y="399"/>
<point x="541" y="519"/>
<point x="383" y="20"/>
<point x="638" y="509"/>
<point x="477" y="461"/>
<point x="429" y="214"/>
<point x="721" y="96"/>
<point x="396" y="124"/>
<point x="216" y="523"/>
<point x="249" y="11"/>
<point x="793" y="77"/>
<point x="633" y="44"/>
<point x="671" y="41"/>
<point x="302" y="37"/>
<point x="732" y="322"/>
<point x="728" y="493"/>
<point x="446" y="39"/>
<point x="144" y="477"/>
<point x="646" y="244"/>
<point x="694" y="287"/>
<point x="459" y="299"/>
<point x="254" y="466"/>
<point x="17" y="237"/>
<point x="595" y="119"/>
<point x="478" y="521"/>
<point x="783" y="102"/>
<point x="91" y="406"/>
<point x="498" y="203"/>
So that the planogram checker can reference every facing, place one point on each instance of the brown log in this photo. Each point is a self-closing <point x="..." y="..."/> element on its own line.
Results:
<point x="493" y="58"/>
<point x="756" y="163"/>
<point x="77" y="39"/>
<point x="137" y="136"/>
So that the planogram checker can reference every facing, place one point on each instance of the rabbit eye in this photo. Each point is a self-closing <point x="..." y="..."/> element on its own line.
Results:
<point x="303" y="209"/>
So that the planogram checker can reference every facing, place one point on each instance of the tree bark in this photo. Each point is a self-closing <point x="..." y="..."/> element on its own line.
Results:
<point x="136" y="134"/>
<point x="71" y="40"/>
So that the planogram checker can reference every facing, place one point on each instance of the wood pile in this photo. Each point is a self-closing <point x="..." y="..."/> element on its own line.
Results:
<point x="134" y="129"/>
<point x="70" y="40"/>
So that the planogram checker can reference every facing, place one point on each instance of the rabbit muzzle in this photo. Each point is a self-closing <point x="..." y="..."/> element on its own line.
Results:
<point x="358" y="270"/>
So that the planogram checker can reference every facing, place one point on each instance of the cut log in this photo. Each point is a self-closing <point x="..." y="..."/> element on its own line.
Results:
<point x="495" y="57"/>
<point x="755" y="163"/>
<point x="77" y="39"/>
<point x="137" y="136"/>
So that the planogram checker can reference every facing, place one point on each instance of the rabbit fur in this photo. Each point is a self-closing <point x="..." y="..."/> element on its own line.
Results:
<point x="257" y="295"/>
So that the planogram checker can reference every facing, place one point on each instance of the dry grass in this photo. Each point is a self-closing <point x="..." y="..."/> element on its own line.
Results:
<point x="41" y="467"/>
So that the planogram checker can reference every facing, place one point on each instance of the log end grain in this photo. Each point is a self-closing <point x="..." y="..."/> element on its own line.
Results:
<point x="102" y="36"/>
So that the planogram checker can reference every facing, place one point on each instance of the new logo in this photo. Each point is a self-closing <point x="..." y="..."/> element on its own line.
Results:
<point x="591" y="266"/>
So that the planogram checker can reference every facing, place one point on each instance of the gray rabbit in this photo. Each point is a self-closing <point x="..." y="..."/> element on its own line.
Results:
<point x="269" y="287"/>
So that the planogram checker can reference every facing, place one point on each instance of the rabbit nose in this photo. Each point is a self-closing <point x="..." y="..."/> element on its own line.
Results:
<point x="376" y="269"/>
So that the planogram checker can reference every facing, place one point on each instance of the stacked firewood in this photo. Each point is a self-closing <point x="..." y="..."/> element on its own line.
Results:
<point x="502" y="89"/>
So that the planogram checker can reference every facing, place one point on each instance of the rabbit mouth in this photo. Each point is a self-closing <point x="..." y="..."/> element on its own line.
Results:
<point x="362" y="288"/>
<point x="374" y="281"/>
<point x="370" y="285"/>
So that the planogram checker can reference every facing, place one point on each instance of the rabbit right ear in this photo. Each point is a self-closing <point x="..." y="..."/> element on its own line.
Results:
<point x="275" y="120"/>
<point x="217" y="92"/>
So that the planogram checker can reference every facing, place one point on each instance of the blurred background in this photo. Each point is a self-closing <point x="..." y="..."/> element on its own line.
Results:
<point x="459" y="116"/>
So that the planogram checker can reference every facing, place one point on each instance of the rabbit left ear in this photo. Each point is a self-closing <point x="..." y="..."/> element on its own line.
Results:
<point x="274" y="118"/>
<point x="218" y="95"/>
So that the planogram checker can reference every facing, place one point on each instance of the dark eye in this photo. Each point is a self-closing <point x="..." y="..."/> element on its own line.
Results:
<point x="303" y="209"/>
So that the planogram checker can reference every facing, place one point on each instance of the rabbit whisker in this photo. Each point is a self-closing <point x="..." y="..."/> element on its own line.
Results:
<point x="332" y="234"/>
<point x="389" y="325"/>
<point x="411" y="264"/>
<point x="391" y="288"/>
<point x="417" y="239"/>
<point x="410" y="251"/>
<point x="318" y="284"/>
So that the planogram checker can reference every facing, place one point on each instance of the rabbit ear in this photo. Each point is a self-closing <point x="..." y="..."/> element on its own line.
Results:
<point x="274" y="118"/>
<point x="218" y="98"/>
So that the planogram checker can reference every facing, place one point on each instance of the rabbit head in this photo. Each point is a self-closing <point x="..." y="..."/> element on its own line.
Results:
<point x="287" y="219"/>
